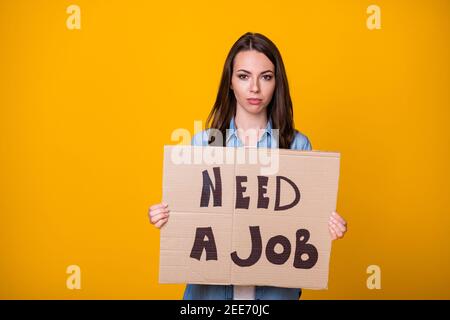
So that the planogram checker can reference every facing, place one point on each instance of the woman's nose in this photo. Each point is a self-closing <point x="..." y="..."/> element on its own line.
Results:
<point x="254" y="87"/>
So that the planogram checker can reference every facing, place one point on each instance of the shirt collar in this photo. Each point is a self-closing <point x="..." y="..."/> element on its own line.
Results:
<point x="232" y="131"/>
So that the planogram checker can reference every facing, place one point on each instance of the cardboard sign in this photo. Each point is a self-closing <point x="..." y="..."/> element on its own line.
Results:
<point x="231" y="222"/>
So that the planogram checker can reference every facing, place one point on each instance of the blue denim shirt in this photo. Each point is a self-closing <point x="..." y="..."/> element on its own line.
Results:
<point x="225" y="292"/>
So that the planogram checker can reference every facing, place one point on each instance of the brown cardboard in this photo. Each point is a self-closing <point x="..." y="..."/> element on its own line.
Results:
<point x="314" y="173"/>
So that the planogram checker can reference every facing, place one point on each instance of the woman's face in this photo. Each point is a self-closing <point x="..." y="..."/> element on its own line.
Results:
<point x="253" y="78"/>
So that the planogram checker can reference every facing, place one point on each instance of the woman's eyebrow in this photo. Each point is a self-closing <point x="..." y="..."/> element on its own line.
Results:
<point x="251" y="73"/>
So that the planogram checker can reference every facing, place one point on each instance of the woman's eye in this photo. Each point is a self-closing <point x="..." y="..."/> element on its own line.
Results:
<point x="244" y="76"/>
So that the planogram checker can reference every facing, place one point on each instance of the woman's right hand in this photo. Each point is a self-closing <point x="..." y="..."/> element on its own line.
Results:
<point x="158" y="214"/>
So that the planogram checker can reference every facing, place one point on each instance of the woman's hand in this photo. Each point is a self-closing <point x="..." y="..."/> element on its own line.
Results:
<point x="337" y="226"/>
<point x="158" y="214"/>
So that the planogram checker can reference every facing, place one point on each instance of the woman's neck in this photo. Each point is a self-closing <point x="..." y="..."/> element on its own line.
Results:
<point x="246" y="121"/>
<point x="250" y="127"/>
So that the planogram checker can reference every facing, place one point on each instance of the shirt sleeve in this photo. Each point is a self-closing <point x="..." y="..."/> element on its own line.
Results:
<point x="301" y="142"/>
<point x="200" y="138"/>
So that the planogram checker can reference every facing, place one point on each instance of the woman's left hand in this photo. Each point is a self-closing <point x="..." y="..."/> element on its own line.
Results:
<point x="337" y="226"/>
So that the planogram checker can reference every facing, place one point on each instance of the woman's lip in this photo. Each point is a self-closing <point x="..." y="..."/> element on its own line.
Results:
<point x="254" y="101"/>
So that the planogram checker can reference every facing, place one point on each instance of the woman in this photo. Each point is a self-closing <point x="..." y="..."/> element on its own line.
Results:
<point x="252" y="101"/>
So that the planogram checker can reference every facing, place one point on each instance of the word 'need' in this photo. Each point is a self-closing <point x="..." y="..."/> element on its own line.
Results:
<point x="243" y="202"/>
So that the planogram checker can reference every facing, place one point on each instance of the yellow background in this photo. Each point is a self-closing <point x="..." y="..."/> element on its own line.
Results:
<point x="85" y="114"/>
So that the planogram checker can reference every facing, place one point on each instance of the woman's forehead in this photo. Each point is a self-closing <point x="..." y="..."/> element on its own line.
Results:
<point x="252" y="61"/>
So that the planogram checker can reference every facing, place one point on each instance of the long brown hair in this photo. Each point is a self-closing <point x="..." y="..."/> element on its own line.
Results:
<point x="279" y="109"/>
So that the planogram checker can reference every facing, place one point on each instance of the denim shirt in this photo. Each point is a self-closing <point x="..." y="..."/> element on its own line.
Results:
<point x="225" y="292"/>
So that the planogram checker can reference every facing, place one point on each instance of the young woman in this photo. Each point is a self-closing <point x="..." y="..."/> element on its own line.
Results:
<point x="252" y="101"/>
